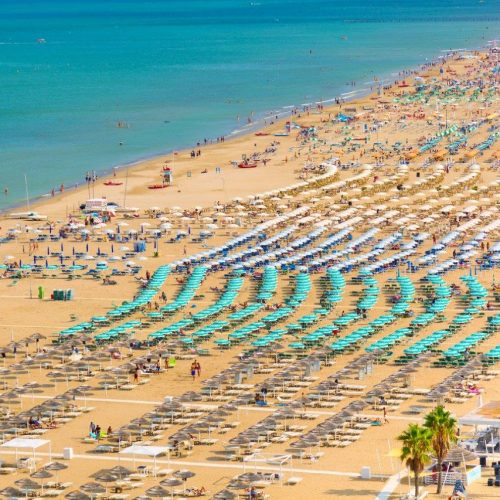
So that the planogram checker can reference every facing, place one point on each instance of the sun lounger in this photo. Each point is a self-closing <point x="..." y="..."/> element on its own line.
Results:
<point x="292" y="481"/>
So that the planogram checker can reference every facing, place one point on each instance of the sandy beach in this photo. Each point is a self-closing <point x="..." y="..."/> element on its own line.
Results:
<point x="359" y="220"/>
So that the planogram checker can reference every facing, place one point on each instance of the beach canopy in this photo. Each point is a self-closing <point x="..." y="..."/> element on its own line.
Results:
<point x="31" y="444"/>
<point x="487" y="415"/>
<point x="150" y="451"/>
<point x="28" y="444"/>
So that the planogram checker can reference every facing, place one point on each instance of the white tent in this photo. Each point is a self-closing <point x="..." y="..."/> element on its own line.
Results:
<point x="149" y="451"/>
<point x="487" y="415"/>
<point x="28" y="444"/>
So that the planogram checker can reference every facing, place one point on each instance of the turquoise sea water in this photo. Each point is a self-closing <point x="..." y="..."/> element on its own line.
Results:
<point x="177" y="71"/>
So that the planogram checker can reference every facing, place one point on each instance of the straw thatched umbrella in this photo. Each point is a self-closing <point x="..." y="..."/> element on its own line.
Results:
<point x="157" y="491"/>
<point x="11" y="492"/>
<point x="93" y="488"/>
<point x="225" y="495"/>
<point x="56" y="467"/>
<point x="77" y="495"/>
<point x="238" y="484"/>
<point x="120" y="472"/>
<point x="42" y="474"/>
<point x="27" y="485"/>
<point x="171" y="483"/>
<point x="459" y="454"/>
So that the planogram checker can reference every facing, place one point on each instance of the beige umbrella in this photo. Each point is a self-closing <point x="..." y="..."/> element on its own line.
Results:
<point x="459" y="454"/>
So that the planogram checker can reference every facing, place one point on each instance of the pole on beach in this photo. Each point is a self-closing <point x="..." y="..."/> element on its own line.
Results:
<point x="27" y="193"/>
<point x="125" y="192"/>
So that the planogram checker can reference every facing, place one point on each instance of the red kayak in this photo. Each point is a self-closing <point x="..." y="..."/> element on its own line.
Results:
<point x="261" y="134"/>
<point x="158" y="186"/>
<point x="113" y="183"/>
<point x="247" y="165"/>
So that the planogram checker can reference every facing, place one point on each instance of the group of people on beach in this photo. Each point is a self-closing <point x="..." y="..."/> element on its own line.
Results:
<point x="96" y="432"/>
<point x="195" y="369"/>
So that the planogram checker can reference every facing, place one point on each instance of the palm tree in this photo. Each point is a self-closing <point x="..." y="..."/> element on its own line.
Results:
<point x="444" y="433"/>
<point x="416" y="450"/>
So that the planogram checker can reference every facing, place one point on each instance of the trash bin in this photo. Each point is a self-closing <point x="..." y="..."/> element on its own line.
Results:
<point x="366" y="473"/>
<point x="482" y="461"/>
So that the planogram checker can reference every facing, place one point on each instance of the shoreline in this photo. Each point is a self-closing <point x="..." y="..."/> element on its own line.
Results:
<point x="260" y="124"/>
<point x="255" y="126"/>
<point x="368" y="281"/>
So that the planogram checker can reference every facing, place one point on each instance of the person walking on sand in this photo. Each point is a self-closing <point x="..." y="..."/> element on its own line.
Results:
<point x="384" y="409"/>
<point x="197" y="368"/>
<point x="193" y="370"/>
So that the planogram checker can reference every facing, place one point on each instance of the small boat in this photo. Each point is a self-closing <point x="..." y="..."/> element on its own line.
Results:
<point x="261" y="134"/>
<point x="33" y="216"/>
<point x="247" y="165"/>
<point x="158" y="186"/>
<point x="281" y="134"/>
<point x="113" y="183"/>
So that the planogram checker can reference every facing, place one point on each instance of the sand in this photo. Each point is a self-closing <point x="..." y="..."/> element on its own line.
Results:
<point x="336" y="473"/>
